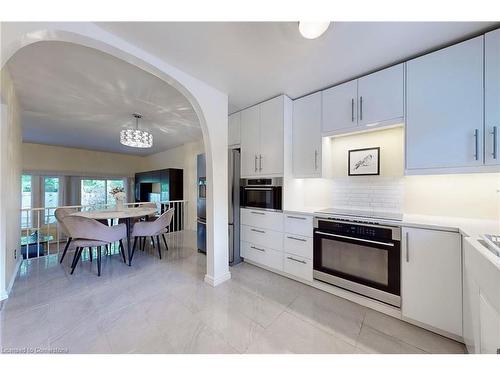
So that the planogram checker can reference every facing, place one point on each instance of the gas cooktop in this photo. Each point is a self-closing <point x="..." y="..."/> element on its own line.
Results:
<point x="363" y="213"/>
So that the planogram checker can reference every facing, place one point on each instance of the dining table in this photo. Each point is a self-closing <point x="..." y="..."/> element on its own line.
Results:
<point x="127" y="214"/>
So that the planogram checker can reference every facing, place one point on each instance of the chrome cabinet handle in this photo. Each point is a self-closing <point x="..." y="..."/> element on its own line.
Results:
<point x="257" y="230"/>
<point x="352" y="110"/>
<point x="315" y="160"/>
<point x="257" y="248"/>
<point x="296" y="217"/>
<point x="297" y="260"/>
<point x="407" y="247"/>
<point x="296" y="239"/>
<point x="494" y="134"/>
<point x="260" y="162"/>
<point x="361" y="108"/>
<point x="255" y="163"/>
<point x="476" y="144"/>
<point x="257" y="213"/>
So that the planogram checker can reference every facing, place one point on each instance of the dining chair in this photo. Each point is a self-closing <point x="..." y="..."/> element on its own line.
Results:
<point x="60" y="214"/>
<point x="153" y="229"/>
<point x="89" y="233"/>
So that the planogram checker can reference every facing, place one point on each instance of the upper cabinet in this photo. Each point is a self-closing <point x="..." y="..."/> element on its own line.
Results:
<point x="306" y="136"/>
<point x="262" y="128"/>
<point x="375" y="99"/>
<point x="234" y="129"/>
<point x="381" y="97"/>
<point x="444" y="118"/>
<point x="492" y="97"/>
<point x="340" y="105"/>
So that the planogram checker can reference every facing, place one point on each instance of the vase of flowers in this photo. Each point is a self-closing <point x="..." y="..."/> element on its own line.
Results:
<point x="119" y="194"/>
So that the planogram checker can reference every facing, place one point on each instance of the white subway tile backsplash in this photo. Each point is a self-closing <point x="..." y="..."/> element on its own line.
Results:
<point x="383" y="193"/>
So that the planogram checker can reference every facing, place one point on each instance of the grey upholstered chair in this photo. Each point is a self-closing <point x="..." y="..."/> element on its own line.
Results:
<point x="91" y="233"/>
<point x="153" y="229"/>
<point x="60" y="214"/>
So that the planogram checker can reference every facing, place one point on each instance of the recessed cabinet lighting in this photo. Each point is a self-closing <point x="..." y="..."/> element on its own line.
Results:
<point x="313" y="30"/>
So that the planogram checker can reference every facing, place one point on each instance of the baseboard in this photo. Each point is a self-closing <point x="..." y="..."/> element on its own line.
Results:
<point x="14" y="275"/>
<point x="219" y="280"/>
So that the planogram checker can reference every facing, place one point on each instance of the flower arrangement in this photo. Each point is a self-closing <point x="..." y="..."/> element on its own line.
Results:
<point x="118" y="193"/>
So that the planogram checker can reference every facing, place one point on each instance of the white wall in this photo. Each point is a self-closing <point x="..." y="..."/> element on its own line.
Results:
<point x="79" y="162"/>
<point x="10" y="182"/>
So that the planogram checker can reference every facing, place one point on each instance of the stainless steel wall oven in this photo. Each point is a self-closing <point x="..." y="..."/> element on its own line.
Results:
<point x="361" y="257"/>
<point x="265" y="193"/>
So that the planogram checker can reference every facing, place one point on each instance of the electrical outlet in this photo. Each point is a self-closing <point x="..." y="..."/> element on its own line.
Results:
<point x="15" y="253"/>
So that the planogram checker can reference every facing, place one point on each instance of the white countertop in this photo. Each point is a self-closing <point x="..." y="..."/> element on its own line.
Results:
<point x="466" y="226"/>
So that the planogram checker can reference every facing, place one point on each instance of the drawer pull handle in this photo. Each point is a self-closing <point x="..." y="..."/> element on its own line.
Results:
<point x="296" y="239"/>
<point x="257" y="213"/>
<point x="297" y="260"/>
<point x="257" y="248"/>
<point x="257" y="230"/>
<point x="296" y="217"/>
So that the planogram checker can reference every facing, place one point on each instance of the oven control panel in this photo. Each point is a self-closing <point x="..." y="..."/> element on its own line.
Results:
<point x="357" y="230"/>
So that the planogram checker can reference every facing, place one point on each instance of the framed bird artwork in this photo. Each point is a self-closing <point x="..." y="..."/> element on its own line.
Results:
<point x="364" y="162"/>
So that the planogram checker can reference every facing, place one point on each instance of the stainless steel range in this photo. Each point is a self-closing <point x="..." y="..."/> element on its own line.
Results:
<point x="359" y="254"/>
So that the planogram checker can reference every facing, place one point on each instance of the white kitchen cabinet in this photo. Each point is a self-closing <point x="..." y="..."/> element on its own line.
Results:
<point x="306" y="136"/>
<point x="492" y="97"/>
<point x="444" y="109"/>
<point x="381" y="97"/>
<point x="234" y="129"/>
<point x="271" y="136"/>
<point x="262" y="255"/>
<point x="262" y="139"/>
<point x="250" y="141"/>
<point x="481" y="299"/>
<point x="298" y="267"/>
<point x="431" y="279"/>
<point x="339" y="107"/>
<point x="262" y="219"/>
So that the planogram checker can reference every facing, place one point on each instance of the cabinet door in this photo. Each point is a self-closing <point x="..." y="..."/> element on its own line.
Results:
<point x="271" y="137"/>
<point x="381" y="96"/>
<point x="234" y="129"/>
<point x="431" y="278"/>
<point x="306" y="136"/>
<point x="340" y="107"/>
<point x="444" y="118"/>
<point x="492" y="97"/>
<point x="250" y="141"/>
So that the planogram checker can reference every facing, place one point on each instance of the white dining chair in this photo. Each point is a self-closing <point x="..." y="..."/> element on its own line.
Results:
<point x="60" y="214"/>
<point x="153" y="229"/>
<point x="89" y="233"/>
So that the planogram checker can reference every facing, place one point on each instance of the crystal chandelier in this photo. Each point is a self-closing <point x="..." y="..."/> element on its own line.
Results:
<point x="136" y="137"/>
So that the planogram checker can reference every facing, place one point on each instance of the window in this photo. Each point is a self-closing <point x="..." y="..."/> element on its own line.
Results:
<point x="51" y="198"/>
<point x="97" y="192"/>
<point x="26" y="200"/>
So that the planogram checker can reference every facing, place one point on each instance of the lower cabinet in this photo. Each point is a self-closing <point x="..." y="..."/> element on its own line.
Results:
<point x="298" y="246"/>
<point x="431" y="273"/>
<point x="481" y="301"/>
<point x="298" y="266"/>
<point x="262" y="255"/>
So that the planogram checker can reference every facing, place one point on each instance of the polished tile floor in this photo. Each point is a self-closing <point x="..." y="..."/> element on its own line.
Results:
<point x="163" y="306"/>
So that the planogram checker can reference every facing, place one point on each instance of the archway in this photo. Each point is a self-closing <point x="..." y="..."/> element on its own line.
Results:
<point x="209" y="104"/>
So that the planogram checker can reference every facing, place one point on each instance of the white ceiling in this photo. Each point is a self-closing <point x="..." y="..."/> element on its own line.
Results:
<point x="254" y="61"/>
<point x="79" y="97"/>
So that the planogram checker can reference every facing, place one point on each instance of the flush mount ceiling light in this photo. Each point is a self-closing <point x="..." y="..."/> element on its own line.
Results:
<point x="313" y="30"/>
<point x="136" y="137"/>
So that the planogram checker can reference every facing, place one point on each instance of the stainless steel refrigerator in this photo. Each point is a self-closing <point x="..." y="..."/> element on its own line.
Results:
<point x="234" y="206"/>
<point x="201" y="207"/>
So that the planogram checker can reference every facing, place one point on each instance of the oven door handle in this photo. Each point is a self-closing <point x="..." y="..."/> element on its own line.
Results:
<point x="258" y="188"/>
<point x="355" y="239"/>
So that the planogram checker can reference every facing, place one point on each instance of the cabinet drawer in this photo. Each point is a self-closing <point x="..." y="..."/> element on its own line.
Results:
<point x="299" y="224"/>
<point x="298" y="266"/>
<point x="262" y="219"/>
<point x="262" y="255"/>
<point x="298" y="245"/>
<point x="262" y="237"/>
